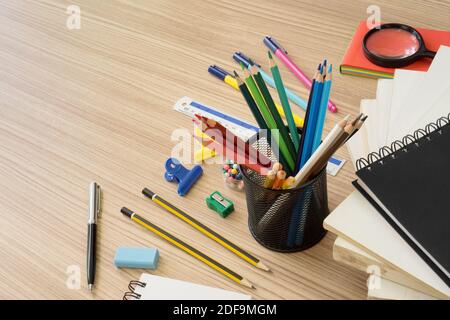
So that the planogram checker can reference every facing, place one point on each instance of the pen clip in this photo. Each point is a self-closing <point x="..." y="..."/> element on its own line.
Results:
<point x="218" y="71"/>
<point x="240" y="57"/>
<point x="98" y="200"/>
<point x="275" y="44"/>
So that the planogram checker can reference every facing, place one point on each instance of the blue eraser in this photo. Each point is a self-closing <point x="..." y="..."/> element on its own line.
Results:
<point x="137" y="258"/>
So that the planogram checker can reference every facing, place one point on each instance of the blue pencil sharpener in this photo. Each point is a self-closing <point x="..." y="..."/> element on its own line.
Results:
<point x="185" y="178"/>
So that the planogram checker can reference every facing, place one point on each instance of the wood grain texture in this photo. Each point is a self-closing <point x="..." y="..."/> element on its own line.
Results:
<point x="96" y="104"/>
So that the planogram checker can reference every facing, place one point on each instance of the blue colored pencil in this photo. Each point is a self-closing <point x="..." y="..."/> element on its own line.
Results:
<point x="312" y="121"/>
<point x="306" y="122"/>
<point x="322" y="110"/>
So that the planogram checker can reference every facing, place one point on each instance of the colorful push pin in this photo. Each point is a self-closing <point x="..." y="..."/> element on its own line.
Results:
<point x="219" y="204"/>
<point x="184" y="177"/>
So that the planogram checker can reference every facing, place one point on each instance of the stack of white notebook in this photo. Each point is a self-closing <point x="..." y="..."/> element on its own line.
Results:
<point x="366" y="241"/>
<point x="404" y="104"/>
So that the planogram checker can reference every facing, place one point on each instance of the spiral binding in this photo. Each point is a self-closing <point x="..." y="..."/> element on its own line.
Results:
<point x="132" y="287"/>
<point x="387" y="152"/>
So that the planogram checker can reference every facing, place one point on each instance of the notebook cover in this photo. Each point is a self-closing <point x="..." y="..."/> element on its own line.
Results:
<point x="414" y="189"/>
<point x="358" y="222"/>
<point x="356" y="63"/>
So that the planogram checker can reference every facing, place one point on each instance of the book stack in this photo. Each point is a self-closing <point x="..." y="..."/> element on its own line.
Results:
<point x="355" y="62"/>
<point x="396" y="225"/>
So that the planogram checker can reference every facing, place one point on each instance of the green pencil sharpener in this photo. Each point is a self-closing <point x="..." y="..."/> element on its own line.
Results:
<point x="219" y="204"/>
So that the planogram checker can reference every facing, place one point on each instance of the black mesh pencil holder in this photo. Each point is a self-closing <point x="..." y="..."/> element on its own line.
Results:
<point x="286" y="220"/>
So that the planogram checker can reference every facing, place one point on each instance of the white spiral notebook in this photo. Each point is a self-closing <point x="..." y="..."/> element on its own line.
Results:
<point x="150" y="287"/>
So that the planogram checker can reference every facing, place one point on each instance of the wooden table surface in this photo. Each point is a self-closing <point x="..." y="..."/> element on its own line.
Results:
<point x="95" y="104"/>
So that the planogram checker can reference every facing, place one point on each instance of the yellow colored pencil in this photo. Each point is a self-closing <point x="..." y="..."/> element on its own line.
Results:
<point x="204" y="229"/>
<point x="186" y="248"/>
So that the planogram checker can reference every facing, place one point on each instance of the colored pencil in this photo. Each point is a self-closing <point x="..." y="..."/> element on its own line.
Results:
<point x="270" y="178"/>
<point x="312" y="121"/>
<point x="323" y="160"/>
<point x="240" y="57"/>
<point x="227" y="78"/>
<point x="322" y="109"/>
<point x="204" y="229"/>
<point x="331" y="138"/>
<point x="226" y="151"/>
<point x="287" y="184"/>
<point x="279" y="179"/>
<point x="281" y="54"/>
<point x="250" y="102"/>
<point x="237" y="143"/>
<point x="186" y="247"/>
<point x="285" y="139"/>
<point x="306" y="123"/>
<point x="284" y="154"/>
<point x="358" y="125"/>
<point x="284" y="101"/>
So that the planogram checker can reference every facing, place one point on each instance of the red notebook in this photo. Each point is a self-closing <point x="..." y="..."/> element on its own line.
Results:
<point x="355" y="62"/>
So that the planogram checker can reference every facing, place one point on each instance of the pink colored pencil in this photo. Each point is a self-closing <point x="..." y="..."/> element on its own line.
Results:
<point x="278" y="51"/>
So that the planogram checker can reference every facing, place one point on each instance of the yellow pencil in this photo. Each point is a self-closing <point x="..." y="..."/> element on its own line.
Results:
<point x="186" y="248"/>
<point x="204" y="229"/>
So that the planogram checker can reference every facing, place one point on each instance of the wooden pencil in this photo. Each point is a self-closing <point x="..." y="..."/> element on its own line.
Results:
<point x="306" y="122"/>
<point x="323" y="160"/>
<point x="284" y="101"/>
<point x="251" y="103"/>
<point x="335" y="133"/>
<point x="270" y="178"/>
<point x="186" y="248"/>
<point x="283" y="155"/>
<point x="204" y="229"/>
<point x="285" y="138"/>
<point x="278" y="183"/>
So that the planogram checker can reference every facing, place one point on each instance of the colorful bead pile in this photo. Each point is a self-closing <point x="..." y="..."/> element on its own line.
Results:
<point x="232" y="175"/>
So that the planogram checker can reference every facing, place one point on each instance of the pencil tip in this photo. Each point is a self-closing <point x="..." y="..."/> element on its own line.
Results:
<point x="270" y="54"/>
<point x="242" y="65"/>
<point x="263" y="266"/>
<point x="247" y="283"/>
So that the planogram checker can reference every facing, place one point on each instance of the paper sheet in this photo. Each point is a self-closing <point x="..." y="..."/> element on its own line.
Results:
<point x="404" y="80"/>
<point x="384" y="97"/>
<point x="425" y="94"/>
<point x="160" y="288"/>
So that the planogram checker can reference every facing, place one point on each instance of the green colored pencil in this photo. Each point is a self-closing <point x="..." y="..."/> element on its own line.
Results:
<point x="257" y="115"/>
<point x="269" y="119"/>
<point x="284" y="133"/>
<point x="284" y="101"/>
<point x="251" y="102"/>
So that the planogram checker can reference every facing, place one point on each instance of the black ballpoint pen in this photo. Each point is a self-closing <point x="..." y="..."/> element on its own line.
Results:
<point x="94" y="211"/>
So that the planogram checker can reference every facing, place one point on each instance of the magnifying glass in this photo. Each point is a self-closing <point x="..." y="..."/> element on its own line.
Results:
<point x="394" y="45"/>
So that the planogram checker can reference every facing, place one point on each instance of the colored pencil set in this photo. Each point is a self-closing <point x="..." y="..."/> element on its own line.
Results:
<point x="299" y="156"/>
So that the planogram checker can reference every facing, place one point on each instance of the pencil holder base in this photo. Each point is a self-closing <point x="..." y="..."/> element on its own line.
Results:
<point x="286" y="220"/>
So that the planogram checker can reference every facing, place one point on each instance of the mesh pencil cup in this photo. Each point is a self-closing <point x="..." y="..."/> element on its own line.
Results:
<point x="286" y="220"/>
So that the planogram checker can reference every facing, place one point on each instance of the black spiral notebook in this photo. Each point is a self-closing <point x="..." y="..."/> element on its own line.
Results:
<point x="409" y="184"/>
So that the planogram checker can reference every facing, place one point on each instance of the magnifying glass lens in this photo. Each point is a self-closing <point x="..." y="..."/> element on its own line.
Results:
<point x="393" y="43"/>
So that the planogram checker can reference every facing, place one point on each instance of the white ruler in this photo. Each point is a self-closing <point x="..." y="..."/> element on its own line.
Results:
<point x="238" y="127"/>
